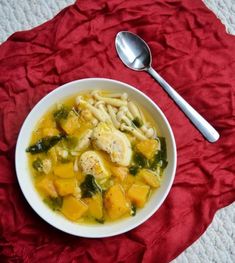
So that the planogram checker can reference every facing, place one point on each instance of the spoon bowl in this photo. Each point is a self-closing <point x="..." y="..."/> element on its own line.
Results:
<point x="133" y="51"/>
<point x="135" y="54"/>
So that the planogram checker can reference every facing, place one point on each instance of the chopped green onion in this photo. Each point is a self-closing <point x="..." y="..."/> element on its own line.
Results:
<point x="137" y="122"/>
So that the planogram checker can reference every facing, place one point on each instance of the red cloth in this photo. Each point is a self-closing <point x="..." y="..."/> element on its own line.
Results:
<point x="192" y="52"/>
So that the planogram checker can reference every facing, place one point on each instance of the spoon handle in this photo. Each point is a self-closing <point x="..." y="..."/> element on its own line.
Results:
<point x="201" y="124"/>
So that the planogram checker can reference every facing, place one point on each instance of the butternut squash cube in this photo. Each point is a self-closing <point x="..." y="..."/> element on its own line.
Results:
<point x="70" y="124"/>
<point x="115" y="202"/>
<point x="128" y="181"/>
<point x="149" y="177"/>
<point x="95" y="206"/>
<point x="47" y="187"/>
<point x="148" y="147"/>
<point x="138" y="194"/>
<point x="73" y="208"/>
<point x="64" y="170"/>
<point x="65" y="186"/>
<point x="120" y="172"/>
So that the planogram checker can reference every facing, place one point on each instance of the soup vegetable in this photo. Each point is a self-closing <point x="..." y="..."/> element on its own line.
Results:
<point x="96" y="157"/>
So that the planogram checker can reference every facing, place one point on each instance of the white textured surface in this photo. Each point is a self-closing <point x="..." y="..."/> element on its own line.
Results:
<point x="225" y="11"/>
<point x="217" y="244"/>
<point x="16" y="15"/>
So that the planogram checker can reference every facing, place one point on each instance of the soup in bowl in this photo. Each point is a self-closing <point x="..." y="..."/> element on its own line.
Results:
<point x="95" y="153"/>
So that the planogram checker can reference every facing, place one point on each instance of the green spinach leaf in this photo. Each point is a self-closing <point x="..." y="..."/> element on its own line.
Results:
<point x="137" y="122"/>
<point x="44" y="144"/>
<point x="89" y="186"/>
<point x="133" y="210"/>
<point x="55" y="203"/>
<point x="38" y="165"/>
<point x="134" y="169"/>
<point x="61" y="113"/>
<point x="139" y="159"/>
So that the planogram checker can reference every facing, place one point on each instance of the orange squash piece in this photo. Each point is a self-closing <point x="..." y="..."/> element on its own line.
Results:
<point x="149" y="177"/>
<point x="115" y="202"/>
<point x="64" y="170"/>
<point x="138" y="194"/>
<point x="46" y="185"/>
<point x="73" y="208"/>
<point x="65" y="186"/>
<point x="95" y="206"/>
<point x="148" y="147"/>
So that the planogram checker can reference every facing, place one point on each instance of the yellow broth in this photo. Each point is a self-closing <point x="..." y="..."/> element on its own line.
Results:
<point x="61" y="181"/>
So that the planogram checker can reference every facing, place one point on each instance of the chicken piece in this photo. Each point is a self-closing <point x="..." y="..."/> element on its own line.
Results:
<point x="91" y="163"/>
<point x="42" y="165"/>
<point x="47" y="166"/>
<point x="114" y="142"/>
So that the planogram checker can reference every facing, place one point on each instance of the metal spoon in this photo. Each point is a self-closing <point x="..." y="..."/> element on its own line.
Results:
<point x="136" y="55"/>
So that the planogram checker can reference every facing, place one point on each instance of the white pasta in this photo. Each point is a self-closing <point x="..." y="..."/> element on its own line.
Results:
<point x="100" y="105"/>
<point x="135" y="132"/>
<point x="112" y="101"/>
<point x="134" y="110"/>
<point x="112" y="113"/>
<point x="114" y="108"/>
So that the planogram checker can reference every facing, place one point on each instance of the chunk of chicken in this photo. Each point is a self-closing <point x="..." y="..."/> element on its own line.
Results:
<point x="114" y="142"/>
<point x="91" y="163"/>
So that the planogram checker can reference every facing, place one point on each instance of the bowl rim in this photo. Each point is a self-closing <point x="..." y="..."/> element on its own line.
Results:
<point x="46" y="97"/>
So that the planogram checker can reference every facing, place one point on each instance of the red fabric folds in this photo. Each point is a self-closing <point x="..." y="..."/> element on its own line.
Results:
<point x="192" y="52"/>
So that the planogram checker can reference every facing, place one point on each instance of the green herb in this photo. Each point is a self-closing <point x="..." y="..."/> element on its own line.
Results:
<point x="139" y="159"/>
<point x="133" y="210"/>
<point x="44" y="144"/>
<point x="163" y="148"/>
<point x="89" y="186"/>
<point x="160" y="158"/>
<point x="158" y="163"/>
<point x="153" y="165"/>
<point x="101" y="221"/>
<point x="137" y="122"/>
<point x="38" y="165"/>
<point x="71" y="142"/>
<point x="55" y="203"/>
<point x="61" y="113"/>
<point x="164" y="164"/>
<point x="133" y="169"/>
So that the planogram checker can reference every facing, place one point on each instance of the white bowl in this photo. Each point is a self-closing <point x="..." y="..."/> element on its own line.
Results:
<point x="25" y="178"/>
